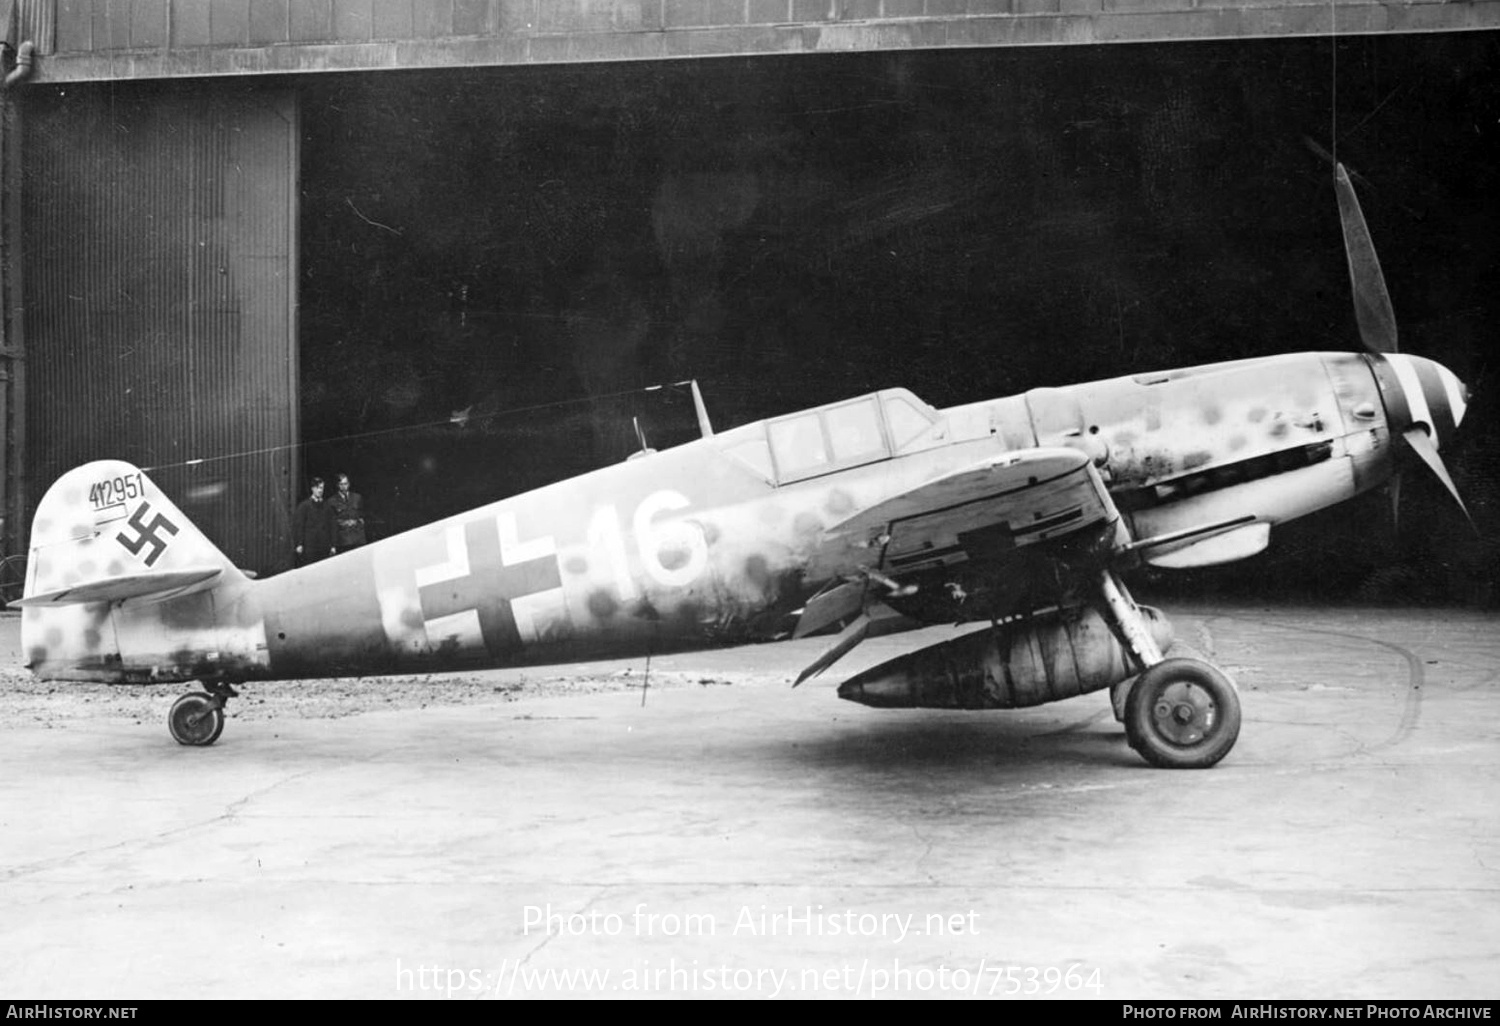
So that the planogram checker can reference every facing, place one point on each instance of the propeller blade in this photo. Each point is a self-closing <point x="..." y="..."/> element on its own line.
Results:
<point x="1394" y="490"/>
<point x="1417" y="438"/>
<point x="1372" y="303"/>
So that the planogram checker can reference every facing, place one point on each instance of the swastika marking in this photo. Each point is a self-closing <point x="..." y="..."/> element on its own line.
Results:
<point x="146" y="533"/>
<point x="489" y="587"/>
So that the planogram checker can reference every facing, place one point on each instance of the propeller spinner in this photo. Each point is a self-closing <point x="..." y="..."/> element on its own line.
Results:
<point x="1424" y="400"/>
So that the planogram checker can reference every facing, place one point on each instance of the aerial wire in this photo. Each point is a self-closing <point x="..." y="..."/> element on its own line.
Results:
<point x="1332" y="114"/>
<point x="459" y="418"/>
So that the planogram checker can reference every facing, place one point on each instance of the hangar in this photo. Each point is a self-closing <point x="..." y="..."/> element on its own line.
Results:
<point x="444" y="245"/>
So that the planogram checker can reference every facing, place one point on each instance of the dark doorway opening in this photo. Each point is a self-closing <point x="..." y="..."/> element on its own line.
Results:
<point x="490" y="257"/>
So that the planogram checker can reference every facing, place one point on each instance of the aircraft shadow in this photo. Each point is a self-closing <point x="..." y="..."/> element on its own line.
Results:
<point x="904" y="740"/>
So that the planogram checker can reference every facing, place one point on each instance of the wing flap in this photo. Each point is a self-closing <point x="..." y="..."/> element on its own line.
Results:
<point x="830" y="606"/>
<point x="153" y="585"/>
<point x="841" y="646"/>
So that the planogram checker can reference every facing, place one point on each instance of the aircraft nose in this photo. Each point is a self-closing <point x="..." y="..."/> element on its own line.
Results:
<point x="1434" y="397"/>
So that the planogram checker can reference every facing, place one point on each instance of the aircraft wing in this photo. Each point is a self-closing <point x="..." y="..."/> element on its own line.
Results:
<point x="985" y="510"/>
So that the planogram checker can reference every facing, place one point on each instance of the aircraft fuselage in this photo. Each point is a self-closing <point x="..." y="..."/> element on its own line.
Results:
<point x="722" y="540"/>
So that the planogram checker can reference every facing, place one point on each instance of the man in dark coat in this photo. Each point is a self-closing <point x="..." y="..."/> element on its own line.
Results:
<point x="348" y="516"/>
<point x="312" y="527"/>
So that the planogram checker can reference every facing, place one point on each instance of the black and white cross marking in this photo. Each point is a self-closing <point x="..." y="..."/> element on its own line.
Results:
<point x="491" y="576"/>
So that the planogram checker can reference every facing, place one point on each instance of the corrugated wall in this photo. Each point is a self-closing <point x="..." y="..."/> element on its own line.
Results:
<point x="124" y="39"/>
<point x="158" y="236"/>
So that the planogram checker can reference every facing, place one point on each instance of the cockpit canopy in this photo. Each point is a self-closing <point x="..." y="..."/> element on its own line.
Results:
<point x="849" y="433"/>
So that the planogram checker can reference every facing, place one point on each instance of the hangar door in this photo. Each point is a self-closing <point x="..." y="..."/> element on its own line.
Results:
<point x="158" y="242"/>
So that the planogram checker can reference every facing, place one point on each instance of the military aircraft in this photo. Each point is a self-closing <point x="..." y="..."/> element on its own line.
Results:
<point x="1016" y="514"/>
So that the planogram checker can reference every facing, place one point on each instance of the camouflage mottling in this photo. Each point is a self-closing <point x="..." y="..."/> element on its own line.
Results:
<point x="758" y="572"/>
<point x="602" y="605"/>
<point x="807" y="523"/>
<point x="839" y="503"/>
<point x="673" y="558"/>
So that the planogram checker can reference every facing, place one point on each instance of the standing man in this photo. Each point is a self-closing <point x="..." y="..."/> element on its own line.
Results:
<point x="348" y="516"/>
<point x="312" y="527"/>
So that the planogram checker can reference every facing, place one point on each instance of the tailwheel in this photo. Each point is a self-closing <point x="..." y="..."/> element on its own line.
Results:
<point x="197" y="718"/>
<point x="1182" y="714"/>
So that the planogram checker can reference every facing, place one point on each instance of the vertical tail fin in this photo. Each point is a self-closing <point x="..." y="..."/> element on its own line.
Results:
<point x="104" y="533"/>
<point x="122" y="588"/>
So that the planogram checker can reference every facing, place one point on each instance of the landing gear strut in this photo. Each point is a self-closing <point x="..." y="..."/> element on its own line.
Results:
<point x="1179" y="713"/>
<point x="198" y="718"/>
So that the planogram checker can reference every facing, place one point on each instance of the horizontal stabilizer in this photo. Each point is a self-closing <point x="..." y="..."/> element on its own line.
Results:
<point x="151" y="585"/>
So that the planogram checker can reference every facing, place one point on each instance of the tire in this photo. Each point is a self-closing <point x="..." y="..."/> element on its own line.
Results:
<point x="1182" y="714"/>
<point x="195" y="720"/>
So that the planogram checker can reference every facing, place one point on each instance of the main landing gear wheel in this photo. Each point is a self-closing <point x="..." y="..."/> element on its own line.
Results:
<point x="1182" y="714"/>
<point x="197" y="718"/>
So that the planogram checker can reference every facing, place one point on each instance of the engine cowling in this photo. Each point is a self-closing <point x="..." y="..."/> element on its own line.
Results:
<point x="1007" y="666"/>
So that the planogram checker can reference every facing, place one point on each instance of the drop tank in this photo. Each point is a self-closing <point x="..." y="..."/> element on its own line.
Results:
<point x="1007" y="666"/>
